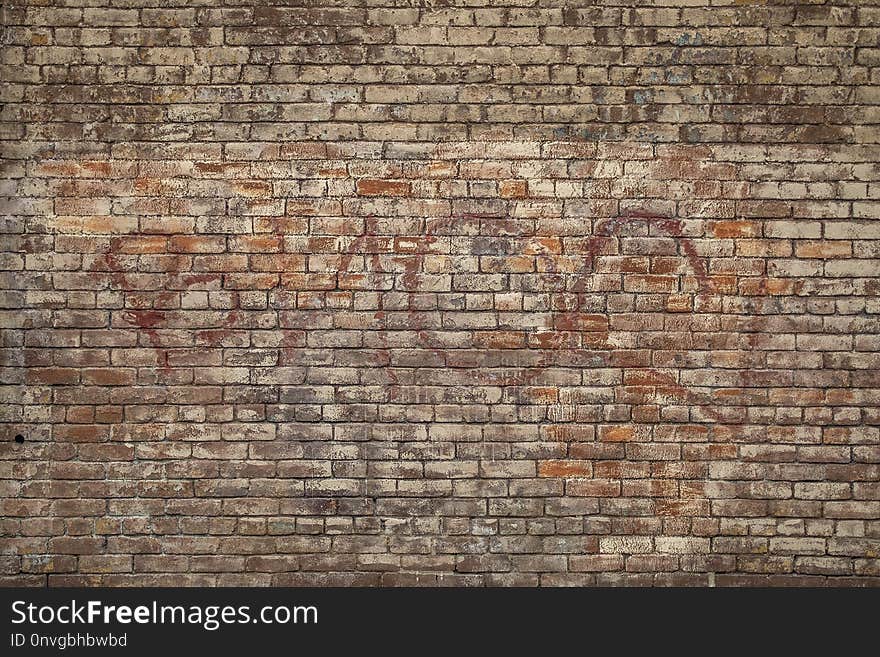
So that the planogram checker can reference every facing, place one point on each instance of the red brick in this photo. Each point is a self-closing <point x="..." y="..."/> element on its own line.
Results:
<point x="372" y="187"/>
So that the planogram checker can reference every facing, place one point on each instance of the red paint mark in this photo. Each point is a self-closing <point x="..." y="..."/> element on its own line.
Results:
<point x="194" y="279"/>
<point x="675" y="389"/>
<point x="410" y="253"/>
<point x="213" y="337"/>
<point x="413" y="266"/>
<point x="147" y="321"/>
<point x="570" y="319"/>
<point x="107" y="265"/>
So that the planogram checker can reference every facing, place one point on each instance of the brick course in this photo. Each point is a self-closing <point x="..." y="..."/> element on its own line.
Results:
<point x="416" y="293"/>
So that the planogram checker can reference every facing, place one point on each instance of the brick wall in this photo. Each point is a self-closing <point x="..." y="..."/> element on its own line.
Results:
<point x="499" y="292"/>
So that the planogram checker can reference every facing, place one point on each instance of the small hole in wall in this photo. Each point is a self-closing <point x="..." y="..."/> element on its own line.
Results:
<point x="19" y="438"/>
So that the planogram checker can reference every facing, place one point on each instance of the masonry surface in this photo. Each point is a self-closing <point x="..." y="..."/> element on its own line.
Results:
<point x="506" y="292"/>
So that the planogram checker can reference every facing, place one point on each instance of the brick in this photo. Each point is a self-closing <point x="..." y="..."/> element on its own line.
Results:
<point x="383" y="188"/>
<point x="793" y="229"/>
<point x="626" y="545"/>
<point x="565" y="468"/>
<point x="681" y="545"/>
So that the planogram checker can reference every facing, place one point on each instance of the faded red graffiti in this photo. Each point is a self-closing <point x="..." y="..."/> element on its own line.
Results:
<point x="413" y="264"/>
<point x="373" y="245"/>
